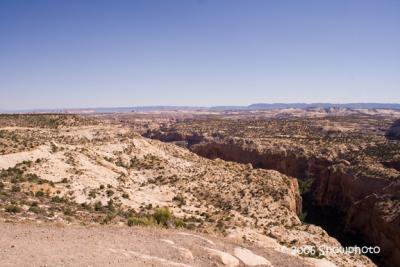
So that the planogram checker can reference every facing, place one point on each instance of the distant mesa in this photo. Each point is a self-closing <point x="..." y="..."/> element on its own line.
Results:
<point x="324" y="105"/>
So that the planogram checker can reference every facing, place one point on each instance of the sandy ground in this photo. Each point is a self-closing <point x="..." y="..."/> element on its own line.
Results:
<point x="56" y="245"/>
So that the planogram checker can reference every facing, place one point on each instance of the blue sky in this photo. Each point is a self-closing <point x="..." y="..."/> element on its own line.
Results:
<point x="64" y="54"/>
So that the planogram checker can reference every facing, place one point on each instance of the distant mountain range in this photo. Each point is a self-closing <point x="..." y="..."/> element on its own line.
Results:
<point x="257" y="106"/>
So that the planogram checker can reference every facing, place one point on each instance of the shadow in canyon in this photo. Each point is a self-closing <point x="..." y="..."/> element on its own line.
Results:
<point x="306" y="171"/>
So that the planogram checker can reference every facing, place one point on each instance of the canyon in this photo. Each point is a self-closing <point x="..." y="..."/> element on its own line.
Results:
<point x="347" y="168"/>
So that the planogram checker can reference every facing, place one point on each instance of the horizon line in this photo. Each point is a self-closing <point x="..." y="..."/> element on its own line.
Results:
<point x="201" y="106"/>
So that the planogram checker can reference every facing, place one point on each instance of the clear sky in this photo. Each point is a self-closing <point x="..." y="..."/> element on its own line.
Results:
<point x="64" y="54"/>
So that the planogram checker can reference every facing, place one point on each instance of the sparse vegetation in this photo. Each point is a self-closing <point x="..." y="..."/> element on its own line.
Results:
<point x="162" y="215"/>
<point x="141" y="220"/>
<point x="98" y="168"/>
<point x="13" y="209"/>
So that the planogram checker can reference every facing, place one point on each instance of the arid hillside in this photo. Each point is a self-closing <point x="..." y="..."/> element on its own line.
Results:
<point x="71" y="170"/>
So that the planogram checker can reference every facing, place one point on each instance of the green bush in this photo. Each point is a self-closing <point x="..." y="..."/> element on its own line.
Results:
<point x="180" y="223"/>
<point x="305" y="185"/>
<point x="35" y="209"/>
<point x="109" y="217"/>
<point x="92" y="193"/>
<point x="57" y="199"/>
<point x="109" y="192"/>
<point x="69" y="212"/>
<point x="162" y="215"/>
<point x="143" y="220"/>
<point x="39" y="194"/>
<point x="98" y="206"/>
<point x="303" y="216"/>
<point x="13" y="209"/>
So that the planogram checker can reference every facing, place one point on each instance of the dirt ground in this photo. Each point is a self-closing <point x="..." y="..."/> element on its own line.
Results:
<point x="29" y="244"/>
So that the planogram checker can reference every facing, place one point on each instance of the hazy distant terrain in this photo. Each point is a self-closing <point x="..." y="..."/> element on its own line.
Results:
<point x="258" y="106"/>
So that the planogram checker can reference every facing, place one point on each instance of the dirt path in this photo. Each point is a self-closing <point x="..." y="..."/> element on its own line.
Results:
<point x="52" y="245"/>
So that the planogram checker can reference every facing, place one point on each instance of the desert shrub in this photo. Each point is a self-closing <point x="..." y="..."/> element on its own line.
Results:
<point x="190" y="226"/>
<point x="109" y="217"/>
<point x="98" y="206"/>
<point x="57" y="199"/>
<point x="54" y="148"/>
<point x="125" y="195"/>
<point x="69" y="212"/>
<point x="35" y="209"/>
<point x="15" y="188"/>
<point x="179" y="223"/>
<point x="220" y="225"/>
<point x="141" y="220"/>
<point x="86" y="206"/>
<point x="13" y="209"/>
<point x="180" y="199"/>
<point x="17" y="179"/>
<point x="92" y="193"/>
<point x="305" y="185"/>
<point x="303" y="216"/>
<point x="110" y="205"/>
<point x="39" y="194"/>
<point x="110" y="192"/>
<point x="162" y="215"/>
